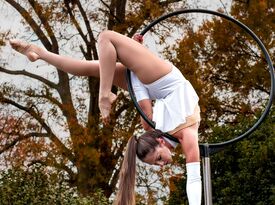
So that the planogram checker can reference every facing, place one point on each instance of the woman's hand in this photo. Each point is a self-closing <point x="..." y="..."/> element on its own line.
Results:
<point x="138" y="37"/>
<point x="144" y="124"/>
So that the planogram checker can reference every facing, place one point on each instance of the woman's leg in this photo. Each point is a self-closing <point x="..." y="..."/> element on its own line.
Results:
<point x="68" y="64"/>
<point x="133" y="55"/>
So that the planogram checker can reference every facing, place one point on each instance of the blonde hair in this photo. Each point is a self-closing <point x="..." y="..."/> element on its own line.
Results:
<point x="139" y="147"/>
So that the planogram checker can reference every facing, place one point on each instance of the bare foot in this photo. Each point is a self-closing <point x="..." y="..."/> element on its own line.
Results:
<point x="105" y="105"/>
<point x="29" y="50"/>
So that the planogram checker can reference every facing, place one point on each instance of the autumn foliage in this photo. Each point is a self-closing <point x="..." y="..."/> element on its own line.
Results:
<point x="52" y="118"/>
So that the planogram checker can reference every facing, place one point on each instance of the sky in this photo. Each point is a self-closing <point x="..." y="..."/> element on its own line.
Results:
<point x="10" y="20"/>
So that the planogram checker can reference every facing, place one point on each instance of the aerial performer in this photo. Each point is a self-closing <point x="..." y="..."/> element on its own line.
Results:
<point x="175" y="111"/>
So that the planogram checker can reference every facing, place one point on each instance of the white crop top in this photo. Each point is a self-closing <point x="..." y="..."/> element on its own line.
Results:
<point x="175" y="98"/>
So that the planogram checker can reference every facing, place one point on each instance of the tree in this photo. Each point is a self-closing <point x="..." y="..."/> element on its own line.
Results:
<point x="57" y="110"/>
<point x="54" y="110"/>
<point x="33" y="186"/>
<point x="243" y="173"/>
<point x="15" y="148"/>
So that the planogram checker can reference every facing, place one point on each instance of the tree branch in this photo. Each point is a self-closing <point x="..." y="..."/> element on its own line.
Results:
<point x="43" y="18"/>
<point x="54" y="164"/>
<point x="63" y="85"/>
<point x="31" y="75"/>
<point x="86" y="20"/>
<point x="19" y="139"/>
<point x="112" y="14"/>
<point x="167" y="2"/>
<point x="76" y="24"/>
<point x="36" y="28"/>
<point x="36" y="116"/>
<point x="48" y="97"/>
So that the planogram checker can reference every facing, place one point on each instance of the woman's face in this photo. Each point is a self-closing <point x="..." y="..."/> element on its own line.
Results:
<point x="161" y="156"/>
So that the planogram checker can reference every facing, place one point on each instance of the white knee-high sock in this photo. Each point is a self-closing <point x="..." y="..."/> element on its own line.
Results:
<point x="193" y="185"/>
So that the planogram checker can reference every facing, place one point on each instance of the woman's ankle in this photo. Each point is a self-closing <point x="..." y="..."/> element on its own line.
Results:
<point x="107" y="98"/>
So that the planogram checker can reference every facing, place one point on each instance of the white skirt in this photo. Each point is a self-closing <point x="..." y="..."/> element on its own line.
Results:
<point x="175" y="99"/>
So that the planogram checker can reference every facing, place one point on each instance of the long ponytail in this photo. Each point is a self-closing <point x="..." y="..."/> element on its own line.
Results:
<point x="127" y="175"/>
<point x="140" y="147"/>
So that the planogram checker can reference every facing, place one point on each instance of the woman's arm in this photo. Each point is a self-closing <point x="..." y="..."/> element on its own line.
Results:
<point x="146" y="106"/>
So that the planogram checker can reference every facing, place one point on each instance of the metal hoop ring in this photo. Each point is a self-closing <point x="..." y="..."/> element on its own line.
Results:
<point x="214" y="146"/>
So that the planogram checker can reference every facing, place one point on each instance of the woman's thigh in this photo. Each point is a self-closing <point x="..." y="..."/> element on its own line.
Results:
<point x="120" y="76"/>
<point x="147" y="66"/>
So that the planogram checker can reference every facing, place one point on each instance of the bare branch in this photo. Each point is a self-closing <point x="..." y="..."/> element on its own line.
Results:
<point x="47" y="96"/>
<point x="76" y="24"/>
<point x="112" y="14"/>
<point x="167" y="2"/>
<point x="86" y="20"/>
<point x="36" y="28"/>
<point x="31" y="75"/>
<point x="43" y="18"/>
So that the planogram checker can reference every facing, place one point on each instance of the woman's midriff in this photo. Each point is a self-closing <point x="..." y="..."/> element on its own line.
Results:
<point x="190" y="120"/>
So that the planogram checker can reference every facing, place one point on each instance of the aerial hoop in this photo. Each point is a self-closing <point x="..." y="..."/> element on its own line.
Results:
<point x="215" y="147"/>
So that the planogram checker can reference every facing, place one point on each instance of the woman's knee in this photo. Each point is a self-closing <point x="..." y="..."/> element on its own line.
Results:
<point x="104" y="35"/>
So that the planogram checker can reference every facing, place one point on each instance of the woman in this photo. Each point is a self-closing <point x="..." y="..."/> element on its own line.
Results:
<point x="153" y="79"/>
